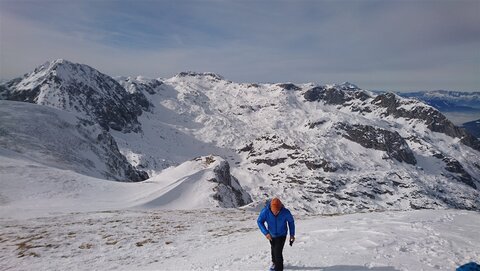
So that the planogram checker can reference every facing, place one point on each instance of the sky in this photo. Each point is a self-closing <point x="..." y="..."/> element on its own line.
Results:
<point x="379" y="45"/>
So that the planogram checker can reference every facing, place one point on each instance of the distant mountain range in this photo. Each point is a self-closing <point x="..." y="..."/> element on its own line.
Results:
<point x="448" y="100"/>
<point x="462" y="108"/>
<point x="321" y="148"/>
<point x="473" y="127"/>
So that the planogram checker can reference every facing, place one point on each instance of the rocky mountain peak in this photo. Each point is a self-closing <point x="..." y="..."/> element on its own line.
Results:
<point x="335" y="94"/>
<point x="345" y="86"/>
<point x="81" y="89"/>
<point x="210" y="75"/>
<point x="289" y="86"/>
<point x="60" y="70"/>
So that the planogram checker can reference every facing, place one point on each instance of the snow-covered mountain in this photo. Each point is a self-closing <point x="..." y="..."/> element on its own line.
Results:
<point x="81" y="89"/>
<point x="321" y="148"/>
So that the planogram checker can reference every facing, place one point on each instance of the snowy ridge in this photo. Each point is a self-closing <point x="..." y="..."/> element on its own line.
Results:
<point x="195" y="185"/>
<point x="30" y="188"/>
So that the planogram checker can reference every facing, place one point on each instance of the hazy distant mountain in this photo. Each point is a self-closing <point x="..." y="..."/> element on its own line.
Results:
<point x="459" y="107"/>
<point x="446" y="101"/>
<point x="473" y="127"/>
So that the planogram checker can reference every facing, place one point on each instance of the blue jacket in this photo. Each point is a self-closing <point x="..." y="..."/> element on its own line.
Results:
<point x="277" y="225"/>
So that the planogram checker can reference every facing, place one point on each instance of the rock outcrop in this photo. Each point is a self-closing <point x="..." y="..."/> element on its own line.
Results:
<point x="379" y="139"/>
<point x="229" y="193"/>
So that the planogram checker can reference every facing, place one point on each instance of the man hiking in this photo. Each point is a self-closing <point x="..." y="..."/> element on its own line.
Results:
<point x="277" y="218"/>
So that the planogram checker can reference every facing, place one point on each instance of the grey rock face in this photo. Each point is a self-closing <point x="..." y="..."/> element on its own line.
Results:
<point x="228" y="192"/>
<point x="316" y="123"/>
<point x="212" y="75"/>
<point x="452" y="165"/>
<point x="270" y="162"/>
<point x="132" y="85"/>
<point x="320" y="163"/>
<point x="222" y="173"/>
<point x="334" y="95"/>
<point x="261" y="156"/>
<point x="289" y="86"/>
<point x="379" y="139"/>
<point x="116" y="162"/>
<point x="330" y="96"/>
<point x="435" y="120"/>
<point x="4" y="92"/>
<point x="138" y="88"/>
<point x="139" y="99"/>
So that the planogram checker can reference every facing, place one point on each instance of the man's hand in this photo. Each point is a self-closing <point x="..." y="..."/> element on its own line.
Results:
<point x="269" y="237"/>
<point x="292" y="239"/>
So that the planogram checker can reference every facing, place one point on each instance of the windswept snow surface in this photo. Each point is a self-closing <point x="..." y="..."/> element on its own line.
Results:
<point x="57" y="219"/>
<point x="30" y="189"/>
<point x="229" y="240"/>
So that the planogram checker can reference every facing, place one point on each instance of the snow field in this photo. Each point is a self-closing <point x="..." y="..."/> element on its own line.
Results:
<point x="208" y="239"/>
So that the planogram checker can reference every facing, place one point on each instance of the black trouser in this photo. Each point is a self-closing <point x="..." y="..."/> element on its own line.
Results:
<point x="277" y="244"/>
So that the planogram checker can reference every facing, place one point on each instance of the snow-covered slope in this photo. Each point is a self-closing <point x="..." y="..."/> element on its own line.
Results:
<point x="201" y="183"/>
<point x="35" y="188"/>
<point x="58" y="139"/>
<point x="321" y="148"/>
<point x="425" y="240"/>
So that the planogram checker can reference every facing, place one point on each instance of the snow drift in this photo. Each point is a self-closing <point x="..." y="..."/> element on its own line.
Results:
<point x="30" y="188"/>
